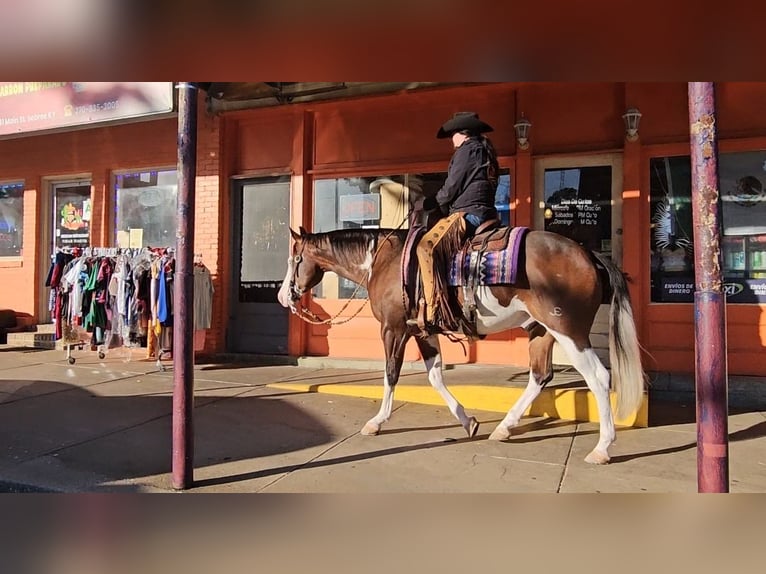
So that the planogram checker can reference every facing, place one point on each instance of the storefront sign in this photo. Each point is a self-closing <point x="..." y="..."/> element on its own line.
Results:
<point x="358" y="208"/>
<point x="73" y="229"/>
<point x="73" y="215"/>
<point x="35" y="106"/>
<point x="681" y="290"/>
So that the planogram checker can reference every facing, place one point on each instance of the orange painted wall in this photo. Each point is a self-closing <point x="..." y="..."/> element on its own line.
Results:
<point x="396" y="132"/>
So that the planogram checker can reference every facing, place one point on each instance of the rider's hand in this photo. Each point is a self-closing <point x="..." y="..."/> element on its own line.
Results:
<point x="430" y="203"/>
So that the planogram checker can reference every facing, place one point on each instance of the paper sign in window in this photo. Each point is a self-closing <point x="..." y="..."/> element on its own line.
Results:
<point x="136" y="238"/>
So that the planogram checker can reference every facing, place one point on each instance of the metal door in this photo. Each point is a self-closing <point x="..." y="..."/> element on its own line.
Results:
<point x="261" y="214"/>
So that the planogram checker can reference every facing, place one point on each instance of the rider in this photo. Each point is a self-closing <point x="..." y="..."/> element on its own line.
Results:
<point x="466" y="200"/>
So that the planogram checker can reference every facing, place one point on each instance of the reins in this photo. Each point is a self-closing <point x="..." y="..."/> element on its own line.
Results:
<point x="310" y="317"/>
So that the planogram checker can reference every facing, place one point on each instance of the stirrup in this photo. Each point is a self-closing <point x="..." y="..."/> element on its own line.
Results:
<point x="420" y="320"/>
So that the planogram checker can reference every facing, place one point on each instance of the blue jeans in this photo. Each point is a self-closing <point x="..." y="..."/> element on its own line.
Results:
<point x="472" y="223"/>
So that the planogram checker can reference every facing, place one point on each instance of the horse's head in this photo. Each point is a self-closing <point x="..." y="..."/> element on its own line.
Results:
<point x="303" y="271"/>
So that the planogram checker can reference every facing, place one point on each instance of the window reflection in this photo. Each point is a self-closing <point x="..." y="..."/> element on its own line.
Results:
<point x="11" y="218"/>
<point x="146" y="208"/>
<point x="743" y="214"/>
<point x="379" y="201"/>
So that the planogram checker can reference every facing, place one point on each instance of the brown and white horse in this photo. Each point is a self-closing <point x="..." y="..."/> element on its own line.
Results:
<point x="559" y="285"/>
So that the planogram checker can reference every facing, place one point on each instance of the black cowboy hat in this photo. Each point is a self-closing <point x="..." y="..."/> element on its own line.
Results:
<point x="463" y="121"/>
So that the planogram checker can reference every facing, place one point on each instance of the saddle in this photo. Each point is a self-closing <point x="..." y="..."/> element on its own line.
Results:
<point x="467" y="272"/>
<point x="487" y="239"/>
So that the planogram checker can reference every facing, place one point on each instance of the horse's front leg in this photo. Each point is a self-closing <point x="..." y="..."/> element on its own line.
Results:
<point x="540" y="373"/>
<point x="431" y="352"/>
<point x="394" y="342"/>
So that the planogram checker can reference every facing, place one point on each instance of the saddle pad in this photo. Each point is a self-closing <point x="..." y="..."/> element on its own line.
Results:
<point x="495" y="267"/>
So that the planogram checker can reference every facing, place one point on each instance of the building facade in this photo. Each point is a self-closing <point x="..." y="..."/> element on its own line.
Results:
<point x="360" y="162"/>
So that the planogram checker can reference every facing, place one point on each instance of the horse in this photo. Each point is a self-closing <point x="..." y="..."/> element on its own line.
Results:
<point x="558" y="289"/>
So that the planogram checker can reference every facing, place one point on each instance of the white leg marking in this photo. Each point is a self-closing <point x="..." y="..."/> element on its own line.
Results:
<point x="386" y="406"/>
<point x="503" y="429"/>
<point x="597" y="378"/>
<point x="435" y="377"/>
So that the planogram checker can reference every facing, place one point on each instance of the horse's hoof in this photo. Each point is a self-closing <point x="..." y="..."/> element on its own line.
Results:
<point x="370" y="429"/>
<point x="500" y="433"/>
<point x="597" y="457"/>
<point x="473" y="427"/>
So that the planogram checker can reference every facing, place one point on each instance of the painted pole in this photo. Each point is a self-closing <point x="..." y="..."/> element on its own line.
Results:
<point x="709" y="298"/>
<point x="183" y="293"/>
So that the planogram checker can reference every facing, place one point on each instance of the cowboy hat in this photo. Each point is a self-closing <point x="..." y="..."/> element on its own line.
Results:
<point x="463" y="121"/>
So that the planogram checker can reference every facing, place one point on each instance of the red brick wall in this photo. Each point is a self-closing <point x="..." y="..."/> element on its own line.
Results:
<point x="95" y="152"/>
<point x="98" y="152"/>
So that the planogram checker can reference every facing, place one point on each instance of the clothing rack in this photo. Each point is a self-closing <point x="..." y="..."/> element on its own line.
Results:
<point x="104" y="291"/>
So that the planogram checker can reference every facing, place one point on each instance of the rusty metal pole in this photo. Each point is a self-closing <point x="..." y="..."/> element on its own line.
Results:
<point x="709" y="298"/>
<point x="183" y="293"/>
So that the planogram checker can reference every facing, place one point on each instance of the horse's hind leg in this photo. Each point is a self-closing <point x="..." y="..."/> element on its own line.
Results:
<point x="431" y="352"/>
<point x="394" y="342"/>
<point x="596" y="377"/>
<point x="540" y="373"/>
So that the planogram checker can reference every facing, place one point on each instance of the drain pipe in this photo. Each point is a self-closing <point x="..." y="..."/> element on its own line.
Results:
<point x="709" y="298"/>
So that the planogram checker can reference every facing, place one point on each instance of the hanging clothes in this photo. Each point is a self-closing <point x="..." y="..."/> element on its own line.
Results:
<point x="203" y="297"/>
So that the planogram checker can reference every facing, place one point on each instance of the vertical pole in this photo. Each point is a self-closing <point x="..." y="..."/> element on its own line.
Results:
<point x="183" y="293"/>
<point x="709" y="299"/>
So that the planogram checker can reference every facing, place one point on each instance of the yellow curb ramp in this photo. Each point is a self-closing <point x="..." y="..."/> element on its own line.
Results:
<point x="564" y="404"/>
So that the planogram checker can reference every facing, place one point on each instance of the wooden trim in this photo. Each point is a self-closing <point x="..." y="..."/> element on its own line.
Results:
<point x="11" y="261"/>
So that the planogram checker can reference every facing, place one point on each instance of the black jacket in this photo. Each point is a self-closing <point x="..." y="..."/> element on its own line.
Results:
<point x="468" y="187"/>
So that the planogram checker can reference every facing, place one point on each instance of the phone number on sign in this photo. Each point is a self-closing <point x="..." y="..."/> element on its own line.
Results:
<point x="99" y="107"/>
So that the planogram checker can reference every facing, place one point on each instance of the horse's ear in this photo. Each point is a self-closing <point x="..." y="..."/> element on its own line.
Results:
<point x="296" y="236"/>
<point x="303" y="231"/>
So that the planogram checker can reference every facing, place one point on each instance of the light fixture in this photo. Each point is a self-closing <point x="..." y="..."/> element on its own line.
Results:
<point x="632" y="118"/>
<point x="522" y="132"/>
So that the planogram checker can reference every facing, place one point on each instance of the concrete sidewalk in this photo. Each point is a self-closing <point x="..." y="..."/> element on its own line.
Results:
<point x="105" y="425"/>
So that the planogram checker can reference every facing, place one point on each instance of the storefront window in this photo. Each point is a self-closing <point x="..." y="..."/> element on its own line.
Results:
<point x="146" y="208"/>
<point x="578" y="205"/>
<point x="378" y="202"/>
<point x="11" y="219"/>
<point x="743" y="205"/>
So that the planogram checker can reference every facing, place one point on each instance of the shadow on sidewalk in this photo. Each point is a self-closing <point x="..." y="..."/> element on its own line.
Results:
<point x="755" y="431"/>
<point x="112" y="438"/>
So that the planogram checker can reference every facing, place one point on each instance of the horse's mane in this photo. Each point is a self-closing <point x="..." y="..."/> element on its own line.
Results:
<point x="351" y="244"/>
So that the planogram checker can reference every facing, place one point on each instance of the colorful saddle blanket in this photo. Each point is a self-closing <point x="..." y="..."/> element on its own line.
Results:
<point x="489" y="265"/>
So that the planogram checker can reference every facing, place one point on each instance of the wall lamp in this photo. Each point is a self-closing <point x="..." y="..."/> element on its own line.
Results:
<point x="522" y="132"/>
<point x="632" y="118"/>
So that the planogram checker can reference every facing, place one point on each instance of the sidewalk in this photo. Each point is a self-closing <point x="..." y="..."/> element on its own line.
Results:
<point x="105" y="425"/>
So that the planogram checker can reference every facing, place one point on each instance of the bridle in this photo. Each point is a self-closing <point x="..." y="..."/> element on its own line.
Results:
<point x="295" y="294"/>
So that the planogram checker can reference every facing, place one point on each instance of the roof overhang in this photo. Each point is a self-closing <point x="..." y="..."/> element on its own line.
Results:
<point x="227" y="96"/>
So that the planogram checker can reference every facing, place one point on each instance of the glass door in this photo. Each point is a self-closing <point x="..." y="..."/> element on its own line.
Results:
<point x="72" y="209"/>
<point x="258" y="323"/>
<point x="580" y="197"/>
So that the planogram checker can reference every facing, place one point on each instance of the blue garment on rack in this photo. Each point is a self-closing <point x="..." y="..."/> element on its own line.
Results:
<point x="162" y="307"/>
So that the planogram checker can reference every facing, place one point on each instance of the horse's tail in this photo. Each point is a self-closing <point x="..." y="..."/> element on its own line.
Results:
<point x="628" y="378"/>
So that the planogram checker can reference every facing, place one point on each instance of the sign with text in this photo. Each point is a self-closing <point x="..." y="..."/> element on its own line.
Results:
<point x="359" y="208"/>
<point x="36" y="106"/>
<point x="737" y="290"/>
<point x="73" y="209"/>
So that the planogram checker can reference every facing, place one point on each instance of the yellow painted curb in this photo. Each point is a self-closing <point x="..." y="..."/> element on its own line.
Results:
<point x="565" y="404"/>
